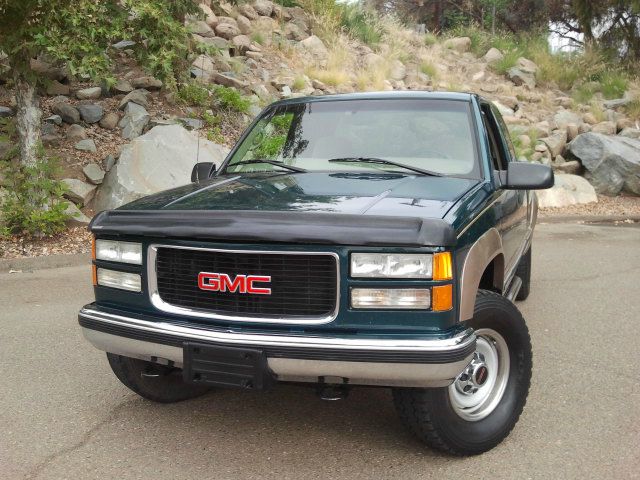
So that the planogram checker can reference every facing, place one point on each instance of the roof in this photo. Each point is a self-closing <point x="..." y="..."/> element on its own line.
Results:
<point x="391" y="95"/>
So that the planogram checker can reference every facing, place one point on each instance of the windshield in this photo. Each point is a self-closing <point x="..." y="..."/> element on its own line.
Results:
<point x="346" y="135"/>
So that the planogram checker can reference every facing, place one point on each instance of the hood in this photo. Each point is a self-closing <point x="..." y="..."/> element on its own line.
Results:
<point x="386" y="194"/>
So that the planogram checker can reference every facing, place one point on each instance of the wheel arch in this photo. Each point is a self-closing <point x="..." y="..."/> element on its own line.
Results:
<point x="483" y="267"/>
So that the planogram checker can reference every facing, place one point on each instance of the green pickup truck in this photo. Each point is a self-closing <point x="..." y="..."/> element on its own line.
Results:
<point x="374" y="239"/>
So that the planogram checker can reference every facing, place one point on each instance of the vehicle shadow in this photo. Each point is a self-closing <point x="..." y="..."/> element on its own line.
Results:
<point x="289" y="420"/>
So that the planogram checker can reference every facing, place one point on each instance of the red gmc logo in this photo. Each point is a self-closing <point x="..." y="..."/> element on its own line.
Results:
<point x="221" y="282"/>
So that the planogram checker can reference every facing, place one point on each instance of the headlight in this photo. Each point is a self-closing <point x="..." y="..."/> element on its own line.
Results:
<point x="121" y="280"/>
<point x="391" y="265"/>
<point x="395" y="298"/>
<point x="124" y="252"/>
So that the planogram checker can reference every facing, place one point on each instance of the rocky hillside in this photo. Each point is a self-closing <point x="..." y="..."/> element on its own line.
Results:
<point x="136" y="137"/>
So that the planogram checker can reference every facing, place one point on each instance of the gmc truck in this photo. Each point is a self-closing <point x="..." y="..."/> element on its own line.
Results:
<point x="373" y="239"/>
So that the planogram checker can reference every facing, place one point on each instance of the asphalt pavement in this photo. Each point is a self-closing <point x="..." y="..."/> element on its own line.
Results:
<point x="63" y="414"/>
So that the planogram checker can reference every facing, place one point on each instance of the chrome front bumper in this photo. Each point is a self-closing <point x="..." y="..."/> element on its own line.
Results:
<point x="359" y="361"/>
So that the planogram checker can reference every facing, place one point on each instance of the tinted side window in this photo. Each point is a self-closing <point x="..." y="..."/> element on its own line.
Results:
<point x="495" y="144"/>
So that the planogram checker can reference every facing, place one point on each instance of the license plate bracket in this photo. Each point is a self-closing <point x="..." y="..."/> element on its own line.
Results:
<point x="222" y="366"/>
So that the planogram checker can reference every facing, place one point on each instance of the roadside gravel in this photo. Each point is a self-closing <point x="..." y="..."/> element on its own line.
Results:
<point x="624" y="206"/>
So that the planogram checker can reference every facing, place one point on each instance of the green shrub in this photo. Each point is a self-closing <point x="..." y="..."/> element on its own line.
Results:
<point x="584" y="93"/>
<point x="298" y="84"/>
<point x="194" y="94"/>
<point x="33" y="203"/>
<point x="430" y="69"/>
<point x="614" y="84"/>
<point x="430" y="39"/>
<point x="361" y="24"/>
<point x="287" y="3"/>
<point x="258" y="38"/>
<point x="231" y="99"/>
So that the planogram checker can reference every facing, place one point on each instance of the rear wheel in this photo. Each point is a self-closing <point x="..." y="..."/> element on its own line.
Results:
<point x="482" y="406"/>
<point x="154" y="382"/>
<point x="524" y="272"/>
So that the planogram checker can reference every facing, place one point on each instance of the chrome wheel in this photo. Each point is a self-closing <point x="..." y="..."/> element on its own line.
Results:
<point x="479" y="388"/>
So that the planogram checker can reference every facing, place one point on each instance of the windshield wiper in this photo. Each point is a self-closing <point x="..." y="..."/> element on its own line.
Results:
<point x="270" y="162"/>
<point x="382" y="161"/>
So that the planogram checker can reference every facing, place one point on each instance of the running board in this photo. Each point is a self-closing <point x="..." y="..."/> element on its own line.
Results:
<point x="513" y="289"/>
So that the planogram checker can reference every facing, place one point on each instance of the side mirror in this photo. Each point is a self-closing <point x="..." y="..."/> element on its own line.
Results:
<point x="526" y="176"/>
<point x="202" y="171"/>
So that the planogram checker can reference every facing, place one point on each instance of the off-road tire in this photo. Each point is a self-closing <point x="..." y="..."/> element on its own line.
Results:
<point x="429" y="413"/>
<point x="524" y="272"/>
<point x="168" y="387"/>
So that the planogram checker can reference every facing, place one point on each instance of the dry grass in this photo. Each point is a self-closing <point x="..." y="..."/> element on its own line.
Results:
<point x="339" y="62"/>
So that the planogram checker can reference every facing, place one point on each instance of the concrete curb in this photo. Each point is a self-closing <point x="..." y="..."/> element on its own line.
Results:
<point x="587" y="218"/>
<point x="29" y="264"/>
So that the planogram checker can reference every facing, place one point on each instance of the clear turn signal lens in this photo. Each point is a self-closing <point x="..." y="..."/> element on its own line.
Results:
<point x="122" y="280"/>
<point x="391" y="298"/>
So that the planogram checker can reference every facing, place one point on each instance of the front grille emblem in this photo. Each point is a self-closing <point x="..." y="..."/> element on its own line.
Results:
<point x="221" y="282"/>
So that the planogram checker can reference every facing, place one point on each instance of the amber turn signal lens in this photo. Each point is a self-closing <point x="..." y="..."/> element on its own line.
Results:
<point x="94" y="275"/>
<point x="93" y="248"/>
<point x="442" y="298"/>
<point x="442" y="266"/>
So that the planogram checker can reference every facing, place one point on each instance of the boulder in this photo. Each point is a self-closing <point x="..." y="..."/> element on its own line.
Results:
<point x="397" y="70"/>
<point x="141" y="97"/>
<point x="202" y="28"/>
<point x="519" y="77"/>
<point x="110" y="121"/>
<point x="294" y="32"/>
<point x="630" y="133"/>
<point x="5" y="112"/>
<point x="526" y="65"/>
<point x="226" y="30"/>
<point x="209" y="17"/>
<point x="493" y="55"/>
<point x="316" y="48"/>
<point x="244" y="24"/>
<point x="160" y="159"/>
<point x="263" y="7"/>
<point x="248" y="11"/>
<point x="567" y="190"/>
<point x="134" y="120"/>
<point x="203" y="68"/>
<point x="86" y="145"/>
<point x="589" y="118"/>
<point x="606" y="128"/>
<point x="459" y="44"/>
<point x="68" y="113"/>
<point x="566" y="117"/>
<point x="572" y="167"/>
<point x="57" y="88"/>
<point x="123" y="86"/>
<point x="241" y="43"/>
<point x="228" y="80"/>
<point x="77" y="218"/>
<point x="78" y="191"/>
<point x="556" y="142"/>
<point x="147" y="82"/>
<point x="91" y="112"/>
<point x="612" y="163"/>
<point x="54" y="119"/>
<point x="122" y="44"/>
<point x="76" y="133"/>
<point x="92" y="93"/>
<point x="93" y="173"/>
